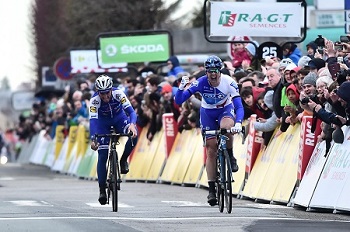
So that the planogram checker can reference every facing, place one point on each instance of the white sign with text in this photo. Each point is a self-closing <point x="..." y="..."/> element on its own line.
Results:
<point x="255" y="19"/>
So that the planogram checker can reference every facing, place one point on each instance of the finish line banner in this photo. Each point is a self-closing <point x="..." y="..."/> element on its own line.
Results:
<point x="255" y="19"/>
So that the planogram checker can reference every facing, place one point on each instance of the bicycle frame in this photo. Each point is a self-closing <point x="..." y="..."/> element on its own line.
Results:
<point x="224" y="177"/>
<point x="113" y="168"/>
<point x="114" y="177"/>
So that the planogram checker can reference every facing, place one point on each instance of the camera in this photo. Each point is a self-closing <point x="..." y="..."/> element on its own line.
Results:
<point x="305" y="100"/>
<point x="319" y="41"/>
<point x="340" y="59"/>
<point x="344" y="39"/>
<point x="341" y="76"/>
<point x="335" y="121"/>
<point x="338" y="46"/>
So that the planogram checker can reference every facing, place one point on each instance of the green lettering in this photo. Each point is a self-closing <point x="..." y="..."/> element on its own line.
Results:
<point x="257" y="17"/>
<point x="286" y="16"/>
<point x="243" y="17"/>
<point x="271" y="18"/>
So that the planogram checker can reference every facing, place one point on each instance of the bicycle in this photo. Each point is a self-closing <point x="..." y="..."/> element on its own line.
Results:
<point x="113" y="168"/>
<point x="224" y="177"/>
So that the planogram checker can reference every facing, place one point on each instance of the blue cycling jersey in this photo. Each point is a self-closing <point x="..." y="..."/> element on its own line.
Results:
<point x="215" y="97"/>
<point x="113" y="113"/>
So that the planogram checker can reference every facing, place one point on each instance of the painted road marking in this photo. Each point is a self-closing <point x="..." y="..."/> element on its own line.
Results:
<point x="98" y="205"/>
<point x="270" y="206"/>
<point x="6" y="178"/>
<point x="223" y="217"/>
<point x="30" y="203"/>
<point x="184" y="203"/>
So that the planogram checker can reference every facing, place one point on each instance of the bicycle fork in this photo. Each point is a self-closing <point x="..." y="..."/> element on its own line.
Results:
<point x="224" y="157"/>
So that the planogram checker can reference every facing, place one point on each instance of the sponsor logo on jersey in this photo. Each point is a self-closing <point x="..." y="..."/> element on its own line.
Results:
<point x="214" y="96"/>
<point x="123" y="100"/>
<point x="118" y="96"/>
<point x="93" y="109"/>
<point x="234" y="85"/>
<point x="95" y="102"/>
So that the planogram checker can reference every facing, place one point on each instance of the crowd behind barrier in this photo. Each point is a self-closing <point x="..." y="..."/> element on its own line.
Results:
<point x="291" y="106"/>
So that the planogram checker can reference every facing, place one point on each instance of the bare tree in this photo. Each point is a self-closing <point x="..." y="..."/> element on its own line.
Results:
<point x="58" y="26"/>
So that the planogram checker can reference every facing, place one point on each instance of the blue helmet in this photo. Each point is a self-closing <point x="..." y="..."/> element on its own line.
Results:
<point x="213" y="62"/>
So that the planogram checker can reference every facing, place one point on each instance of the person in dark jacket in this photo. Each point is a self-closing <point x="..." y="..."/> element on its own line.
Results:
<point x="174" y="66"/>
<point x="275" y="82"/>
<point x="311" y="49"/>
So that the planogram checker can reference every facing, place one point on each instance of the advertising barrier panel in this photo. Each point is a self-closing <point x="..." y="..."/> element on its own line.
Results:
<point x="311" y="175"/>
<point x="254" y="144"/>
<point x="334" y="176"/>
<point x="307" y="143"/>
<point x="170" y="128"/>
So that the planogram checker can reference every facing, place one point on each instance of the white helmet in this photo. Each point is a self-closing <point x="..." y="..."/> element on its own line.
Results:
<point x="103" y="82"/>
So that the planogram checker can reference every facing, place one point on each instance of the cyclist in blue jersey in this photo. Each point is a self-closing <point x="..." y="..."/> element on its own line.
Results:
<point x="221" y="104"/>
<point x="109" y="106"/>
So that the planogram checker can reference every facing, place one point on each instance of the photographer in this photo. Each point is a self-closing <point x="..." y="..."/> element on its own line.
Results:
<point x="308" y="92"/>
<point x="332" y="118"/>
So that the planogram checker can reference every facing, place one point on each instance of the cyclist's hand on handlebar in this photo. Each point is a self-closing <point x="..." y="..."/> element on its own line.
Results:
<point x="94" y="145"/>
<point x="237" y="128"/>
<point x="132" y="128"/>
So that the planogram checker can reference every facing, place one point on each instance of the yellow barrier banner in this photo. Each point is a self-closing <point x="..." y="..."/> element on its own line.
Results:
<point x="260" y="168"/>
<point x="240" y="153"/>
<point x="196" y="166"/>
<point x="203" y="180"/>
<point x="187" y="155"/>
<point x="182" y="147"/>
<point x="289" y="160"/>
<point x="79" y="149"/>
<point x="277" y="166"/>
<point x="83" y="140"/>
<point x="158" y="161"/>
<point x="143" y="156"/>
<point x="59" y="140"/>
<point x="72" y="138"/>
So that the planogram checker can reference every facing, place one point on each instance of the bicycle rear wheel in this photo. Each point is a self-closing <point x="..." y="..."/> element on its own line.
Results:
<point x="228" y="183"/>
<point x="114" y="181"/>
<point x="219" y="187"/>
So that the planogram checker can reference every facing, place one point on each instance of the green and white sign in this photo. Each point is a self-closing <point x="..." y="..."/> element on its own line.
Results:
<point x="131" y="49"/>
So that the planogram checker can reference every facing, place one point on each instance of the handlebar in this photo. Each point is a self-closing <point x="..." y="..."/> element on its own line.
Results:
<point x="223" y="131"/>
<point x="114" y="134"/>
<point x="130" y="134"/>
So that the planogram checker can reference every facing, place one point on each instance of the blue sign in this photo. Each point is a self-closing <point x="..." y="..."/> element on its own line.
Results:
<point x="347" y="4"/>
<point x="62" y="68"/>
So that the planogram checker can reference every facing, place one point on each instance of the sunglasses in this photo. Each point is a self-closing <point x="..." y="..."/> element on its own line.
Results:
<point x="104" y="92"/>
<point x="214" y="70"/>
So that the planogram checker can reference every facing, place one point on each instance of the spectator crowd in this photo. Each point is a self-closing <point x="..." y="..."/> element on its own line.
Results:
<point x="280" y="91"/>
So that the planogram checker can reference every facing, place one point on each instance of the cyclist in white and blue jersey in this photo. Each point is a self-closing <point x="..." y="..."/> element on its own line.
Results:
<point x="221" y="107"/>
<point x="109" y="106"/>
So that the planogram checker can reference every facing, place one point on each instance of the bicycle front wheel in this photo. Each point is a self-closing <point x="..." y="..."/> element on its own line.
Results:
<point x="228" y="183"/>
<point x="114" y="181"/>
<point x="220" y="187"/>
